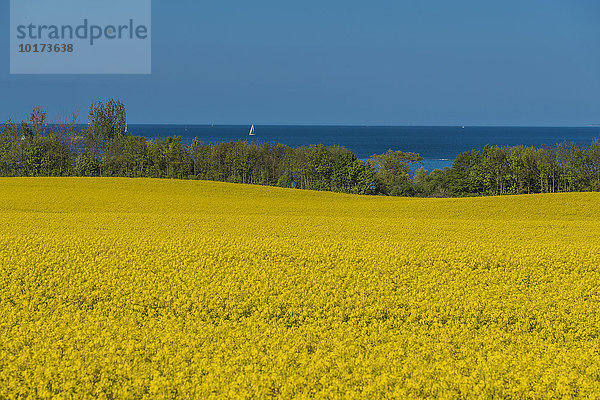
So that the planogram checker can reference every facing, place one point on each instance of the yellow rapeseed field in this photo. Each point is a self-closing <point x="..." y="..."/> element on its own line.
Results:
<point x="118" y="288"/>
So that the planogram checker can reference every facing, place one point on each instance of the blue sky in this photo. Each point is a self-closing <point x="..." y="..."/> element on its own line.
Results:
<point x="396" y="62"/>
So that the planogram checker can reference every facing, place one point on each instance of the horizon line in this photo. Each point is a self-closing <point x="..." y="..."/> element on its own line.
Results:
<point x="365" y="125"/>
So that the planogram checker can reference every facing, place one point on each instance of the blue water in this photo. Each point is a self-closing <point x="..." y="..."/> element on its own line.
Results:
<point x="439" y="146"/>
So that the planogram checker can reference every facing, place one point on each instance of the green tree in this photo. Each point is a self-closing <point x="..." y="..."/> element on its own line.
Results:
<point x="593" y="155"/>
<point x="393" y="172"/>
<point x="107" y="122"/>
<point x="419" y="181"/>
<point x="466" y="174"/>
<point x="495" y="169"/>
<point x="345" y="172"/>
<point x="437" y="183"/>
<point x="365" y="177"/>
<point x="9" y="135"/>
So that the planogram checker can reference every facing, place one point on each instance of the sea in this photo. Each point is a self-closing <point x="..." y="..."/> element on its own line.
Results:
<point x="438" y="145"/>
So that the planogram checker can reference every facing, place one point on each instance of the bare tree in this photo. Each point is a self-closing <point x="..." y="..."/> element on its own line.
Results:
<point x="37" y="122"/>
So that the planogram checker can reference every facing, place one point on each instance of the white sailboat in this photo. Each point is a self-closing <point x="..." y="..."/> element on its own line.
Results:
<point x="252" y="131"/>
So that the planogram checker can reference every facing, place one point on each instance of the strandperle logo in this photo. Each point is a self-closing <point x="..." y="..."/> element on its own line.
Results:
<point x="84" y="31"/>
<point x="80" y="37"/>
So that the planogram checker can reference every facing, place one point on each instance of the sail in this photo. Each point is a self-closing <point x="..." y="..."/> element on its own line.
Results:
<point x="252" y="130"/>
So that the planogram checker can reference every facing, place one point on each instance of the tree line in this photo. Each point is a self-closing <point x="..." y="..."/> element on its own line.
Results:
<point x="105" y="148"/>
<point x="565" y="167"/>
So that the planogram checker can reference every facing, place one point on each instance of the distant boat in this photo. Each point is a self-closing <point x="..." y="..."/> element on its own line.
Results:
<point x="252" y="131"/>
<point x="463" y="127"/>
